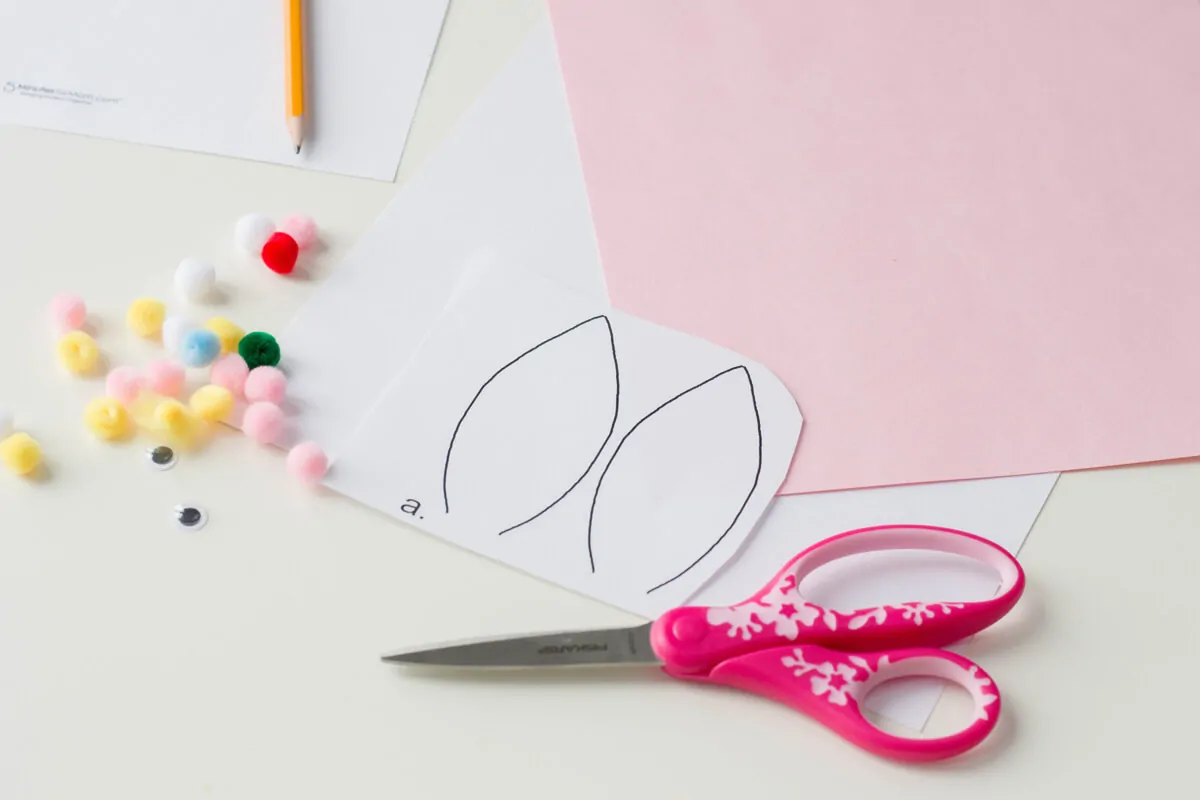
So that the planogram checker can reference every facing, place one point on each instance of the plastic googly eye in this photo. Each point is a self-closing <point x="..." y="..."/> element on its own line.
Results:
<point x="189" y="518"/>
<point x="161" y="458"/>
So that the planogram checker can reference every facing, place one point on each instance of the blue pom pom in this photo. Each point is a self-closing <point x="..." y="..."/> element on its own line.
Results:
<point x="199" y="348"/>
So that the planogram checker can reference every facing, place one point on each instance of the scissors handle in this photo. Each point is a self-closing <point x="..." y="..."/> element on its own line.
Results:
<point x="694" y="640"/>
<point x="830" y="686"/>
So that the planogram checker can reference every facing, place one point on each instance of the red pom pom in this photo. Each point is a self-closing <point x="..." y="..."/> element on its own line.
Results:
<point x="279" y="253"/>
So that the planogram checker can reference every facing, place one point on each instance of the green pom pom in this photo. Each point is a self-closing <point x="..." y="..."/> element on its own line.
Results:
<point x="259" y="349"/>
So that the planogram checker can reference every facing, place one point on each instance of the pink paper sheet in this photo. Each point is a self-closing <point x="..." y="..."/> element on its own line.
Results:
<point x="965" y="234"/>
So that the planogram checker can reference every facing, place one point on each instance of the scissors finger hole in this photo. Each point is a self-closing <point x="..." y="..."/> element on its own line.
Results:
<point x="881" y="578"/>
<point x="900" y="707"/>
<point x="899" y="693"/>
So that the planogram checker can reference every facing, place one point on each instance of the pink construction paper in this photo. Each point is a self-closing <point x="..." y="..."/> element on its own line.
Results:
<point x="965" y="234"/>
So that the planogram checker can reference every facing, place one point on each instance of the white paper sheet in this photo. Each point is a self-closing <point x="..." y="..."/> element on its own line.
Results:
<point x="604" y="453"/>
<point x="506" y="188"/>
<point x="208" y="76"/>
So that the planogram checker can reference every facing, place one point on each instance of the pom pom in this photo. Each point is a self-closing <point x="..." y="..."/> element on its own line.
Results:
<point x="195" y="279"/>
<point x="173" y="423"/>
<point x="230" y="372"/>
<point x="123" y="384"/>
<point x="164" y="378"/>
<point x="280" y="252"/>
<point x="78" y="352"/>
<point x="20" y="453"/>
<point x="68" y="312"/>
<point x="252" y="231"/>
<point x="6" y="423"/>
<point x="212" y="403"/>
<point x="259" y="349"/>
<point x="263" y="422"/>
<point x="173" y="331"/>
<point x="145" y="317"/>
<point x="266" y="384"/>
<point x="307" y="462"/>
<point x="199" y="348"/>
<point x="176" y="420"/>
<point x="229" y="334"/>
<point x="301" y="228"/>
<point x="171" y="415"/>
<point x="107" y="419"/>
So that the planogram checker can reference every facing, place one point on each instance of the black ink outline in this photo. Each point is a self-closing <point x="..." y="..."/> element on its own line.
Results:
<point x="736" y="517"/>
<point x="611" y="428"/>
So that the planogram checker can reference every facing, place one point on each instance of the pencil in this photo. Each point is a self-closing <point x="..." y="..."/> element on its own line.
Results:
<point x="293" y="53"/>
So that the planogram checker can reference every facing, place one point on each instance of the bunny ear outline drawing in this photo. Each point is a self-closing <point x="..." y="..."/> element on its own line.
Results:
<point x="534" y="430"/>
<point x="706" y="444"/>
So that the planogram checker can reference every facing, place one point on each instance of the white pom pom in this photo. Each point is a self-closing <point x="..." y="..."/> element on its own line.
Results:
<point x="252" y="231"/>
<point x="6" y="423"/>
<point x="195" y="278"/>
<point x="173" y="331"/>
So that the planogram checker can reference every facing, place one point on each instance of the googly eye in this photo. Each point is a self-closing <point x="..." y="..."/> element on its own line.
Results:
<point x="161" y="458"/>
<point x="189" y="518"/>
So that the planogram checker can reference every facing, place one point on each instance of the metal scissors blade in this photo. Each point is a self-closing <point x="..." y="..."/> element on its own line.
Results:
<point x="575" y="649"/>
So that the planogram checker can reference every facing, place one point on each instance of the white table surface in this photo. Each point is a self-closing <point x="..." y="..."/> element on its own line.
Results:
<point x="242" y="661"/>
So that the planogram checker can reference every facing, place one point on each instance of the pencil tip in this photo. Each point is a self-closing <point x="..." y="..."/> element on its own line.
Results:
<point x="297" y="149"/>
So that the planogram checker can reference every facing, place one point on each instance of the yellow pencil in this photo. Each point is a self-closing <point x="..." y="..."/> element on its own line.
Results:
<point x="293" y="53"/>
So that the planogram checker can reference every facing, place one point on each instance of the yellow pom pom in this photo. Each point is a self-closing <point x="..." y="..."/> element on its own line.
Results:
<point x="212" y="403"/>
<point x="145" y="317"/>
<point x="78" y="352"/>
<point x="20" y="453"/>
<point x="173" y="417"/>
<point x="227" y="332"/>
<point x="178" y="425"/>
<point x="107" y="419"/>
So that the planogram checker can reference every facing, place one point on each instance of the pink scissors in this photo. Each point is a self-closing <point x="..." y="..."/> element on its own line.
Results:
<point x="781" y="646"/>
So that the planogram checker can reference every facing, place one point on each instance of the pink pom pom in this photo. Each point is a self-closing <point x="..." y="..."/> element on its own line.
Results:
<point x="68" y="312"/>
<point x="301" y="228"/>
<point x="266" y="384"/>
<point x="165" y="378"/>
<point x="263" y="422"/>
<point x="124" y="384"/>
<point x="230" y="371"/>
<point x="307" y="462"/>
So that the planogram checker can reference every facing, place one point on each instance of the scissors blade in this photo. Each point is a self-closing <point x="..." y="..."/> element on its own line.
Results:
<point x="576" y="649"/>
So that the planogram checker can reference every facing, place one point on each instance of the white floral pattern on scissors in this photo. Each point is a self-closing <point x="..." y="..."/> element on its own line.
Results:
<point x="782" y="608"/>
<point x="835" y="681"/>
<point x="916" y="613"/>
<point x="851" y="677"/>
